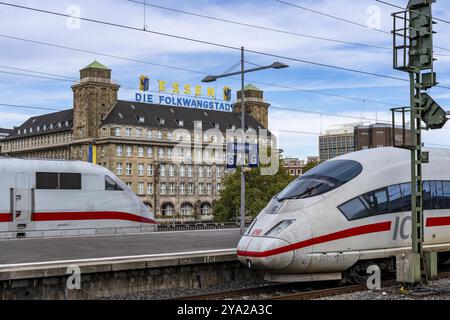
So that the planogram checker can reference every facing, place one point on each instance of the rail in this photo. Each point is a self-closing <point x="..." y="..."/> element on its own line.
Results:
<point x="198" y="226"/>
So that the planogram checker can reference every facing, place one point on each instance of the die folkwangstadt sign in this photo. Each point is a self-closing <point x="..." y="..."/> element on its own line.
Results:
<point x="187" y="96"/>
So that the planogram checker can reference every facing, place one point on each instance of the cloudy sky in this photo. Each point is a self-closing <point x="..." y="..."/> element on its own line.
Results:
<point x="138" y="52"/>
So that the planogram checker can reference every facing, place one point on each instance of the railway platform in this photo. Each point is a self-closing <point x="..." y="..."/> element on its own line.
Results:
<point x="117" y="265"/>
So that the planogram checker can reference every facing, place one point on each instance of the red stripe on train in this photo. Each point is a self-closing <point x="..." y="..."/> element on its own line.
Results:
<point x="98" y="215"/>
<point x="438" y="222"/>
<point x="5" y="217"/>
<point x="372" y="228"/>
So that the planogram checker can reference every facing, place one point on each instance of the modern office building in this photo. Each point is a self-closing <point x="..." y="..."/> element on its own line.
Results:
<point x="356" y="137"/>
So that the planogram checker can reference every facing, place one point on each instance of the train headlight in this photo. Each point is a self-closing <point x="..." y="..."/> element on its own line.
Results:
<point x="280" y="227"/>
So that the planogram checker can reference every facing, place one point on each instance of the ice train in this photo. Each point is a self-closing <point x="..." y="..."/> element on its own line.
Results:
<point x="46" y="198"/>
<point x="348" y="213"/>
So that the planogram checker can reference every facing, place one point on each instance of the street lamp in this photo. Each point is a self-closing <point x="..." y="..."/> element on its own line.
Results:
<point x="212" y="78"/>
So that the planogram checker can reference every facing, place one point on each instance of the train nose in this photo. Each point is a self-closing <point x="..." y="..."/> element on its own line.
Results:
<point x="265" y="253"/>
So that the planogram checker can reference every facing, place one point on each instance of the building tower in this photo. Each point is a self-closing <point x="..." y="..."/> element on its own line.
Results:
<point x="93" y="97"/>
<point x="254" y="104"/>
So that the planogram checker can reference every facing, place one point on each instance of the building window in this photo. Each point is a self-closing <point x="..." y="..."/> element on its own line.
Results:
<point x="218" y="187"/>
<point x="141" y="188"/>
<point x="140" y="152"/>
<point x="128" y="132"/>
<point x="186" y="209"/>
<point x="129" y="169"/>
<point x="129" y="151"/>
<point x="141" y="169"/>
<point x="201" y="188"/>
<point x="149" y="152"/>
<point x="163" y="188"/>
<point x="206" y="209"/>
<point x="139" y="132"/>
<point x="150" y="170"/>
<point x="200" y="172"/>
<point x="171" y="170"/>
<point x="171" y="188"/>
<point x="150" y="188"/>
<point x="182" y="188"/>
<point x="218" y="172"/>
<point x="182" y="171"/>
<point x="129" y="185"/>
<point x="168" y="209"/>
<point x="169" y="153"/>
<point x="209" y="172"/>
<point x="149" y="134"/>
<point x="169" y="136"/>
<point x="191" y="188"/>
<point x="119" y="151"/>
<point x="190" y="171"/>
<point x="119" y="168"/>
<point x="209" y="189"/>
<point x="162" y="171"/>
<point x="161" y="153"/>
<point x="117" y="132"/>
<point x="160" y="135"/>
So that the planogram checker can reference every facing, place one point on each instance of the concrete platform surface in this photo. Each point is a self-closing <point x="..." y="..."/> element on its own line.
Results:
<point x="60" y="249"/>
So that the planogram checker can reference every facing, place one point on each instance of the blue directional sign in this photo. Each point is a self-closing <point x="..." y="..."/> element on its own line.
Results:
<point x="253" y="155"/>
<point x="231" y="155"/>
<point x="237" y="153"/>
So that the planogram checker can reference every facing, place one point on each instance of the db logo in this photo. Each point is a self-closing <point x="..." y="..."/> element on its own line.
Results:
<point x="257" y="232"/>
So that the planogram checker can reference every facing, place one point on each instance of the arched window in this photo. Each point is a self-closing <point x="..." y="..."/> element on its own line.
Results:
<point x="167" y="209"/>
<point x="186" y="209"/>
<point x="206" y="209"/>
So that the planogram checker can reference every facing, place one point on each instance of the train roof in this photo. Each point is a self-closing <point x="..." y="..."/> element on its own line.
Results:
<point x="47" y="165"/>
<point x="382" y="157"/>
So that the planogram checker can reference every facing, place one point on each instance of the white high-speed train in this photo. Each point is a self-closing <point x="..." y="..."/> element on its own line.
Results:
<point x="45" y="198"/>
<point x="346" y="214"/>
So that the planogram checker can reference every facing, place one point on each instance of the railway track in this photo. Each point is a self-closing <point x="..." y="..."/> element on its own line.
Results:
<point x="292" y="291"/>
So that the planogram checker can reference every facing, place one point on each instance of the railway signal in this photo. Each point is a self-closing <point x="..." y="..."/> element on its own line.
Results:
<point x="413" y="53"/>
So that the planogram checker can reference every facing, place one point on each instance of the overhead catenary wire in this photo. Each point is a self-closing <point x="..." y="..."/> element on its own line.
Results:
<point x="399" y="7"/>
<point x="28" y="107"/>
<point x="350" y="21"/>
<point x="261" y="27"/>
<point x="131" y="88"/>
<point x="112" y="24"/>
<point x="292" y="88"/>
<point x="272" y="129"/>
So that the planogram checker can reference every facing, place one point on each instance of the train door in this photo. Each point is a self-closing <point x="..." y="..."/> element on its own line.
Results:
<point x="22" y="199"/>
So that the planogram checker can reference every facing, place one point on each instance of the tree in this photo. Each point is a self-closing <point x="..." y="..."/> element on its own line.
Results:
<point x="259" y="191"/>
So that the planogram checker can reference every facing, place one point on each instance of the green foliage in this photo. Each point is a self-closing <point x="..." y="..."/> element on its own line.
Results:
<point x="259" y="191"/>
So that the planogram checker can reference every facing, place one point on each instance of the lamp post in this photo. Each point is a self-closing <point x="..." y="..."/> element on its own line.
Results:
<point x="212" y="78"/>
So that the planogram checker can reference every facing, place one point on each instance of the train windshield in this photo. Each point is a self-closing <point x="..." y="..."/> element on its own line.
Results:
<point x="321" y="179"/>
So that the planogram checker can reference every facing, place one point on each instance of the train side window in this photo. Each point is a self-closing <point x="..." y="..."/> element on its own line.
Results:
<point x="395" y="199"/>
<point x="70" y="181"/>
<point x="446" y="194"/>
<point x="46" y="180"/>
<point x="427" y="195"/>
<point x="111" y="185"/>
<point x="406" y="196"/>
<point x="354" y="210"/>
<point x="438" y="196"/>
<point x="377" y="201"/>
